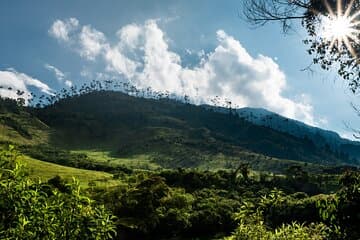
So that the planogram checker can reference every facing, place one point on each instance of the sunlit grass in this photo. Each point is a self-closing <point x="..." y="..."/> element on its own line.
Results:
<point x="141" y="161"/>
<point x="39" y="131"/>
<point x="46" y="171"/>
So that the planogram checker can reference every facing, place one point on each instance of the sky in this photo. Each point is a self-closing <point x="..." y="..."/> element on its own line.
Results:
<point x="200" y="48"/>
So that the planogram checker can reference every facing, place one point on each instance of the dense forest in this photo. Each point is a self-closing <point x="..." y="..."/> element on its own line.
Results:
<point x="84" y="166"/>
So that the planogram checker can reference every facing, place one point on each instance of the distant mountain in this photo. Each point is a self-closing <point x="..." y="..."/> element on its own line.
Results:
<point x="320" y="137"/>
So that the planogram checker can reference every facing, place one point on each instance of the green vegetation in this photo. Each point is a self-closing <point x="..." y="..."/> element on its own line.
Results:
<point x="36" y="210"/>
<point x="192" y="203"/>
<point x="45" y="171"/>
<point x="174" y="133"/>
<point x="160" y="169"/>
<point x="107" y="130"/>
<point x="142" y="161"/>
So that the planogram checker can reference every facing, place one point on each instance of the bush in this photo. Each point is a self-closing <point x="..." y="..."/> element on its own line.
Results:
<point x="34" y="210"/>
<point x="252" y="227"/>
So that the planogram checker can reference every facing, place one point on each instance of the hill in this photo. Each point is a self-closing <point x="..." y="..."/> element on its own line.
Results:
<point x="18" y="125"/>
<point x="321" y="137"/>
<point x="171" y="133"/>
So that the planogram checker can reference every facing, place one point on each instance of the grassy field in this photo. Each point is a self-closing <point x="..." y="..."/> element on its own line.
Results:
<point x="22" y="129"/>
<point x="45" y="171"/>
<point x="257" y="162"/>
<point x="141" y="161"/>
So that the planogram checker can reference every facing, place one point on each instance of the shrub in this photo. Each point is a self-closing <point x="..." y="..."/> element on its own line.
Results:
<point x="34" y="210"/>
<point x="252" y="227"/>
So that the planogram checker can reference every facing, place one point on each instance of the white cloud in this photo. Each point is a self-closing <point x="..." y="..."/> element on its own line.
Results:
<point x="12" y="81"/>
<point x="86" y="73"/>
<point x="323" y="122"/>
<point x="348" y="135"/>
<point x="68" y="83"/>
<point x="118" y="62"/>
<point x="60" y="76"/>
<point x="92" y="42"/>
<point x="61" y="29"/>
<point x="129" y="35"/>
<point x="143" y="57"/>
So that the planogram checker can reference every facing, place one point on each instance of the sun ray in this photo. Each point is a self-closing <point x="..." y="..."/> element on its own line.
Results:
<point x="350" y="47"/>
<point x="339" y="9"/>
<point x="354" y="38"/>
<point x="354" y="24"/>
<point x="329" y="8"/>
<point x="355" y="15"/>
<point x="348" y="9"/>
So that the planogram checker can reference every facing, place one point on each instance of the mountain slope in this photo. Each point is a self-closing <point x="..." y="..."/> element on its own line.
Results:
<point x="321" y="137"/>
<point x="174" y="133"/>
<point x="19" y="126"/>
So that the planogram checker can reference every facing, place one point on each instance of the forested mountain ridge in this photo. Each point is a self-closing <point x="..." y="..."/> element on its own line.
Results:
<point x="133" y="125"/>
<point x="322" y="138"/>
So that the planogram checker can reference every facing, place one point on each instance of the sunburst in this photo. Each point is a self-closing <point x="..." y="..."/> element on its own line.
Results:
<point x="341" y="28"/>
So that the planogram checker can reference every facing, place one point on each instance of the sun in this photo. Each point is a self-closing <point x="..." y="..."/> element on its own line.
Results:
<point x="341" y="28"/>
<point x="337" y="28"/>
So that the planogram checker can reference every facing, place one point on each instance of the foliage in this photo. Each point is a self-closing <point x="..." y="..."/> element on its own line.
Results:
<point x="45" y="171"/>
<point x="65" y="157"/>
<point x="349" y="203"/>
<point x="278" y="208"/>
<point x="151" y="206"/>
<point x="292" y="231"/>
<point x="179" y="202"/>
<point x="183" y="202"/>
<point x="34" y="210"/>
<point x="252" y="226"/>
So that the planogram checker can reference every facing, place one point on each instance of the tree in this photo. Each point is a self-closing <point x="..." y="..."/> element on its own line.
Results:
<point x="34" y="210"/>
<point x="332" y="27"/>
<point x="243" y="168"/>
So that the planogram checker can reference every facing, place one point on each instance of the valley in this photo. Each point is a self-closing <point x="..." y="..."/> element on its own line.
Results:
<point x="124" y="150"/>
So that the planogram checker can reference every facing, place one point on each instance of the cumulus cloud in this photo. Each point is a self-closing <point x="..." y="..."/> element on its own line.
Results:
<point x="129" y="35"/>
<point x="92" y="42"/>
<point x="62" y="29"/>
<point x="12" y="81"/>
<point x="141" y="54"/>
<point x="60" y="76"/>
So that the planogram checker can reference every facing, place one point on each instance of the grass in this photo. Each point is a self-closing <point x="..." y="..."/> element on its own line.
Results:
<point x="44" y="171"/>
<point x="13" y="127"/>
<point x="141" y="161"/>
<point x="257" y="162"/>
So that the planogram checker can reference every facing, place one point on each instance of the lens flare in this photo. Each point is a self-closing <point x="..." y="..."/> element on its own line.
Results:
<point x="341" y="28"/>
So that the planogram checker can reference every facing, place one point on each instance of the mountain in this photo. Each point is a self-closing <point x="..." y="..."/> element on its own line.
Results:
<point x="321" y="137"/>
<point x="169" y="129"/>
<point x="161" y="133"/>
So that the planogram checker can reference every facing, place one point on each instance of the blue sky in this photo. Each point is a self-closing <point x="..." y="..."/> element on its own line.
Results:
<point x="201" y="48"/>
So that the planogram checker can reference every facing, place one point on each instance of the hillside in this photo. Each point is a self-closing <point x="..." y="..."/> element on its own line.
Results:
<point x="122" y="149"/>
<point x="321" y="137"/>
<point x="174" y="134"/>
<point x="19" y="126"/>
